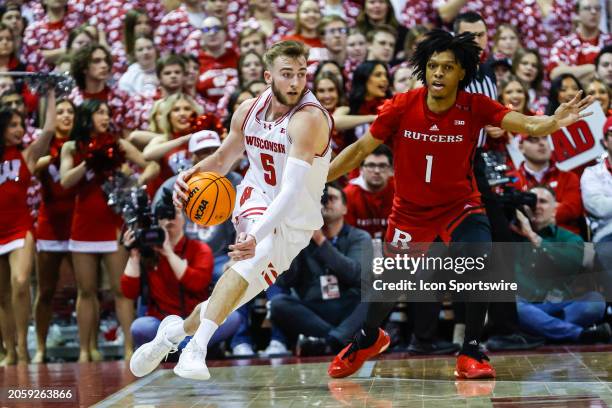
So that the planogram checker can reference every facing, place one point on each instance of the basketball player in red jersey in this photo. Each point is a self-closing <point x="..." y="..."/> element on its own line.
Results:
<point x="286" y="135"/>
<point x="434" y="132"/>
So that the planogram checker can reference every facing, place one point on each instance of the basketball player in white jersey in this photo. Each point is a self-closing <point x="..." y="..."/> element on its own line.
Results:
<point x="286" y="135"/>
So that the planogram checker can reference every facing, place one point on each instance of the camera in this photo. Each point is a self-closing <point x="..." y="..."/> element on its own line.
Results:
<point x="133" y="204"/>
<point x="511" y="199"/>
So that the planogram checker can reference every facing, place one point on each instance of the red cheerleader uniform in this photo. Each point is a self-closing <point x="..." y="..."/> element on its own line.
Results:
<point x="94" y="224"/>
<point x="15" y="218"/>
<point x="56" y="207"/>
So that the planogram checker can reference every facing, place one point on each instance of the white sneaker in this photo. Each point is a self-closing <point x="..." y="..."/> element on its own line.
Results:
<point x="149" y="355"/>
<point x="275" y="348"/>
<point x="192" y="362"/>
<point x="243" y="350"/>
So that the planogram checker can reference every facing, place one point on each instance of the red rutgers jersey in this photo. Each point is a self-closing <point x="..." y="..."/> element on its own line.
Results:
<point x="434" y="152"/>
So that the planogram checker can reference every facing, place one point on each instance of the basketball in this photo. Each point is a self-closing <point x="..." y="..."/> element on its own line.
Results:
<point x="210" y="198"/>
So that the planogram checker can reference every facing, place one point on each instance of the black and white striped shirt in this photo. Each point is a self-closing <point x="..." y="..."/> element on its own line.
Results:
<point x="484" y="83"/>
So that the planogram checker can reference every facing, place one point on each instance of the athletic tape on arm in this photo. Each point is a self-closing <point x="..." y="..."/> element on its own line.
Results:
<point x="292" y="183"/>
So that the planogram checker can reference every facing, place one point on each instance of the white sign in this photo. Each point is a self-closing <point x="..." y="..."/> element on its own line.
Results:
<point x="572" y="146"/>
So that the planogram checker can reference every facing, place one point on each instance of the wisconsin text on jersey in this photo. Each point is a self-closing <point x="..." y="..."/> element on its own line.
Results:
<point x="264" y="144"/>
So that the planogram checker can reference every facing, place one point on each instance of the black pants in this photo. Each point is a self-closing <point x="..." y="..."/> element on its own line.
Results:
<point x="473" y="229"/>
<point x="503" y="316"/>
<point x="339" y="318"/>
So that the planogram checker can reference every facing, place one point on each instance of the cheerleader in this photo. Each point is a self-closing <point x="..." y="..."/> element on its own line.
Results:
<point x="16" y="235"/>
<point x="178" y="119"/>
<point x="52" y="226"/>
<point x="87" y="160"/>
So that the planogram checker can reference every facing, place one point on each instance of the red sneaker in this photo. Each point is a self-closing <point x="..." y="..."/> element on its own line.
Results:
<point x="469" y="367"/>
<point x="351" y="358"/>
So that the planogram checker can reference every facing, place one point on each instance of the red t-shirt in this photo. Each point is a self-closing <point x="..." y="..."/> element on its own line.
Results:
<point x="566" y="185"/>
<point x="434" y="152"/>
<point x="317" y="51"/>
<point x="165" y="290"/>
<point x="216" y="73"/>
<point x="369" y="210"/>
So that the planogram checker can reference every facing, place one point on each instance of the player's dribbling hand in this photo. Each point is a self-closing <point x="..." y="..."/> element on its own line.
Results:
<point x="570" y="112"/>
<point x="244" y="248"/>
<point x="179" y="195"/>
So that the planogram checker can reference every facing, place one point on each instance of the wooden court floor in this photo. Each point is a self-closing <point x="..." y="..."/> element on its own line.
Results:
<point x="550" y="377"/>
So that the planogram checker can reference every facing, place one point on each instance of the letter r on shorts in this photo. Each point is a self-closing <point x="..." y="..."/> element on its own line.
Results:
<point x="401" y="238"/>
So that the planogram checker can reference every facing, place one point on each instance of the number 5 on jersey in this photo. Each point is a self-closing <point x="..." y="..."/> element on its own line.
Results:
<point x="267" y="163"/>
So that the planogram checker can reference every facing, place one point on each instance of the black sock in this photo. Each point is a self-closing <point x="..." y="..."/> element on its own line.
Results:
<point x="366" y="337"/>
<point x="334" y="344"/>
<point x="472" y="348"/>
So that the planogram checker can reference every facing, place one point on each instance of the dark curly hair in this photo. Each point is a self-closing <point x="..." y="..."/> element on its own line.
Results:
<point x="463" y="46"/>
<point x="83" y="120"/>
<point x="81" y="60"/>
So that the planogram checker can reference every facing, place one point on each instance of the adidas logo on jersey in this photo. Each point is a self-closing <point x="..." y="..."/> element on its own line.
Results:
<point x="434" y="128"/>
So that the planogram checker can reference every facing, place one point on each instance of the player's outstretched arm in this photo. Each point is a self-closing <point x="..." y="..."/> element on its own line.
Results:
<point x="222" y="159"/>
<point x="565" y="115"/>
<point x="352" y="156"/>
<point x="309" y="132"/>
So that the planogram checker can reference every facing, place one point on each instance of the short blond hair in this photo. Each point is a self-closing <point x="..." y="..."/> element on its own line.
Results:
<point x="289" y="48"/>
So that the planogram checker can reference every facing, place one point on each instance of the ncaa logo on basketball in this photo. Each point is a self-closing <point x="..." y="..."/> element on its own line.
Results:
<point x="201" y="209"/>
<point x="192" y="193"/>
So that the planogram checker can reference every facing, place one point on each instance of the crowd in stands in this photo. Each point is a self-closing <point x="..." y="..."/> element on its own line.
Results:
<point x="155" y="84"/>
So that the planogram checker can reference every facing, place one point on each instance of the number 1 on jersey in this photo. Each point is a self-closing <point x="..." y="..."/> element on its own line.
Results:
<point x="267" y="162"/>
<point x="429" y="159"/>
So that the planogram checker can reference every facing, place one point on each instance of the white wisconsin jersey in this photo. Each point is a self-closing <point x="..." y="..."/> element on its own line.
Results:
<point x="267" y="146"/>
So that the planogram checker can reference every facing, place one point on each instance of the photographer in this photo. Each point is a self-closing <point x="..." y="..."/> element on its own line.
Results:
<point x="538" y="169"/>
<point x="176" y="283"/>
<point x="547" y="304"/>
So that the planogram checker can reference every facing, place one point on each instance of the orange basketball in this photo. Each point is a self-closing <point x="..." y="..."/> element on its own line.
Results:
<point x="210" y="198"/>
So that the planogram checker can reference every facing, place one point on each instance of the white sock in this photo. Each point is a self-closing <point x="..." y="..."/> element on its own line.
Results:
<point x="175" y="332"/>
<point x="205" y="331"/>
<point x="203" y="307"/>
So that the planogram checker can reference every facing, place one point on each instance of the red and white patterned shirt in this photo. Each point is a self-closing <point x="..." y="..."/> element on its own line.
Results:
<point x="573" y="50"/>
<point x="44" y="35"/>
<point x="115" y="98"/>
<point x="537" y="31"/>
<point x="172" y="33"/>
<point x="138" y="110"/>
<point x="107" y="16"/>
<point x="425" y="12"/>
<point x="154" y="8"/>
<point x="350" y="8"/>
